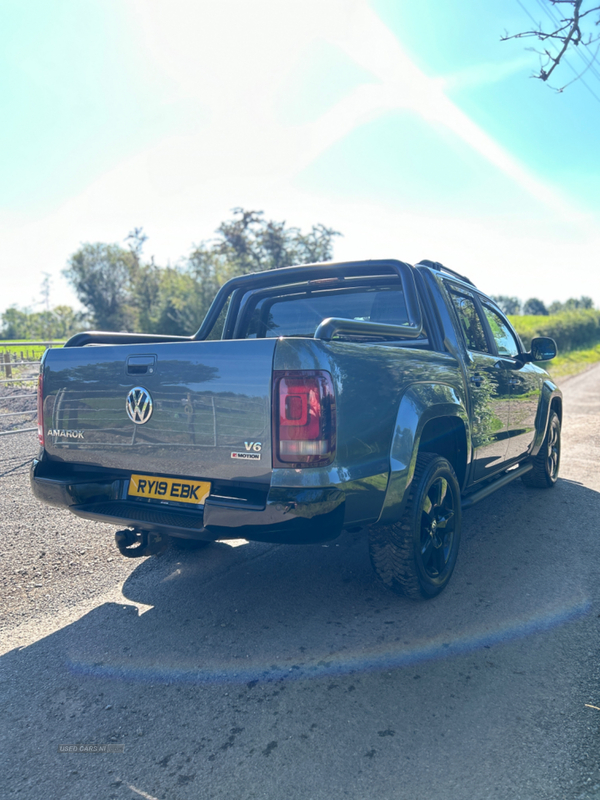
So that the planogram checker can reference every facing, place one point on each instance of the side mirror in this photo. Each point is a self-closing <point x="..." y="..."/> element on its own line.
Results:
<point x="543" y="348"/>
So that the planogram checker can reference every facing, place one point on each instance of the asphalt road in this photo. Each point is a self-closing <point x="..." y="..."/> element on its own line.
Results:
<point x="289" y="673"/>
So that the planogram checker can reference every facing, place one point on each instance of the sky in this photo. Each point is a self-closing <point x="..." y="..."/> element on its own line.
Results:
<point x="408" y="127"/>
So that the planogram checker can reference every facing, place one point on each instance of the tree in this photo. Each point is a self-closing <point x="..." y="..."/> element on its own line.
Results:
<point x="249" y="243"/>
<point x="57" y="323"/>
<point x="16" y="323"/>
<point x="572" y="304"/>
<point x="573" y="27"/>
<point x="122" y="291"/>
<point x="103" y="277"/>
<point x="535" y="307"/>
<point x="66" y="321"/>
<point x="136" y="240"/>
<point x="555" y="308"/>
<point x="509" y="305"/>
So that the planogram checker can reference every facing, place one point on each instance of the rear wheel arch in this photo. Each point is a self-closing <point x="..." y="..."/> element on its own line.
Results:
<point x="446" y="436"/>
<point x="431" y="419"/>
<point x="550" y="400"/>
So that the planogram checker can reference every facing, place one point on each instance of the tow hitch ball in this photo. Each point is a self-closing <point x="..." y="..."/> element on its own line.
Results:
<point x="136" y="543"/>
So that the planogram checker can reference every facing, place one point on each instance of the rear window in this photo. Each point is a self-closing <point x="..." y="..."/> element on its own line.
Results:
<point x="299" y="313"/>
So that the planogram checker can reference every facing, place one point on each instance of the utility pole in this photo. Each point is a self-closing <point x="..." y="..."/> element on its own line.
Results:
<point x="45" y="292"/>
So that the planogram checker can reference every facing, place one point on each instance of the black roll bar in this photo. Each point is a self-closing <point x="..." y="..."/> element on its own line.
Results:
<point x="278" y="277"/>
<point x="306" y="272"/>
<point x="108" y="337"/>
<point x="355" y="327"/>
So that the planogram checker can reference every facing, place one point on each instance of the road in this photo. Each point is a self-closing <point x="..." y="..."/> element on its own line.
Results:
<point x="289" y="673"/>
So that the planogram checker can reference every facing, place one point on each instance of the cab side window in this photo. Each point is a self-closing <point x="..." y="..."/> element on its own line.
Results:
<point x="470" y="322"/>
<point x="503" y="336"/>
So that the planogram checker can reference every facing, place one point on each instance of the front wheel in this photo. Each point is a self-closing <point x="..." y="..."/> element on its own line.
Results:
<point x="416" y="555"/>
<point x="547" y="462"/>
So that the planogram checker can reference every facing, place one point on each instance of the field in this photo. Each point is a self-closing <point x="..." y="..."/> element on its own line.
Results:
<point x="571" y="330"/>
<point x="576" y="333"/>
<point x="24" y="351"/>
<point x="572" y="362"/>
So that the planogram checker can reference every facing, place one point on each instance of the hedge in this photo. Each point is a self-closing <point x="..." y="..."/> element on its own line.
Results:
<point x="570" y="329"/>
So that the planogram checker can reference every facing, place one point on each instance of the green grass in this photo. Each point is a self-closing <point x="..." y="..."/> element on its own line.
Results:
<point x="576" y="333"/>
<point x="573" y="362"/>
<point x="571" y="330"/>
<point x="30" y="352"/>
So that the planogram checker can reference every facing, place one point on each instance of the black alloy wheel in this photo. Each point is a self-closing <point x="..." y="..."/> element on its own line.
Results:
<point x="438" y="519"/>
<point x="416" y="555"/>
<point x="546" y="463"/>
<point x="553" y="449"/>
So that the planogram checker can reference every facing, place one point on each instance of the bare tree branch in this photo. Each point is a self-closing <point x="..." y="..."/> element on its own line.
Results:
<point x="567" y="34"/>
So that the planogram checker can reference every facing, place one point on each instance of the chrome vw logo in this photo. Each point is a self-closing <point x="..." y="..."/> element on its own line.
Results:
<point x="139" y="405"/>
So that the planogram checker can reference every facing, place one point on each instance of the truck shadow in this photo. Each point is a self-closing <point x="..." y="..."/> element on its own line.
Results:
<point x="225" y="624"/>
<point x="258" y="610"/>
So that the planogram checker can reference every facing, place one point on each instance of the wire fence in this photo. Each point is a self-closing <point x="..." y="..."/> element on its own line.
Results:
<point x="19" y="368"/>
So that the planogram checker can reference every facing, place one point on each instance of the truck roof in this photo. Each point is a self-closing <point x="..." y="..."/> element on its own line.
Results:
<point x="439" y="267"/>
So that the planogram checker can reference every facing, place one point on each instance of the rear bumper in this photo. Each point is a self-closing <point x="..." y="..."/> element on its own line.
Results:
<point x="288" y="515"/>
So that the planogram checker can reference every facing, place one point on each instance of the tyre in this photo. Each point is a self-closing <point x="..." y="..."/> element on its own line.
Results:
<point x="415" y="556"/>
<point x="547" y="462"/>
<point x="188" y="544"/>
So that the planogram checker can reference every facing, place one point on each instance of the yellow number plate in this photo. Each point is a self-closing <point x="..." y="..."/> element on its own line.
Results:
<point x="178" y="489"/>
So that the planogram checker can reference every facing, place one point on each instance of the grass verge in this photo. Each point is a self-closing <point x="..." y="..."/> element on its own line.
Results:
<point x="573" y="362"/>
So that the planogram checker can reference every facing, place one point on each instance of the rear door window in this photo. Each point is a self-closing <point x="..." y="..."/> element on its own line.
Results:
<point x="470" y="321"/>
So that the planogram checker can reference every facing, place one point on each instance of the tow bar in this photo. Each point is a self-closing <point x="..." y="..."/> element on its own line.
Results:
<point x="136" y="543"/>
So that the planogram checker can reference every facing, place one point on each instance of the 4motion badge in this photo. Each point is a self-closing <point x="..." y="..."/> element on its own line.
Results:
<point x="251" y="453"/>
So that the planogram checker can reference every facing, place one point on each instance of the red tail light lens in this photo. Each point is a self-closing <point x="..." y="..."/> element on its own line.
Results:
<point x="303" y="418"/>
<point x="40" y="409"/>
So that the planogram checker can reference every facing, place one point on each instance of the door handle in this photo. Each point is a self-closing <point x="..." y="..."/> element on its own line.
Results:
<point x="477" y="379"/>
<point x="140" y="365"/>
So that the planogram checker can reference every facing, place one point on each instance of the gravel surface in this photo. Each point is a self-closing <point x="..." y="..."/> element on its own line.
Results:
<point x="263" y="671"/>
<point x="50" y="560"/>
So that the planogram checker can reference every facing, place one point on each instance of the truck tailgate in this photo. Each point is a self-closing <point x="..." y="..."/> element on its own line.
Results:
<point x="210" y="417"/>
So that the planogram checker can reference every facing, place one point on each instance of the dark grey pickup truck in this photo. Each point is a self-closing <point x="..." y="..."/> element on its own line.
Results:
<point x="313" y="399"/>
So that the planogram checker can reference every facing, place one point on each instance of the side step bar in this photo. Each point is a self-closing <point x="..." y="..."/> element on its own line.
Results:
<point x="471" y="499"/>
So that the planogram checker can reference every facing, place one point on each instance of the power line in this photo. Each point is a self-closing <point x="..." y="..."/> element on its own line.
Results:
<point x="568" y="63"/>
<point x="555" y="21"/>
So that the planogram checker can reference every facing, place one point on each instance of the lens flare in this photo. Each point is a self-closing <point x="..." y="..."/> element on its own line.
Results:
<point x="321" y="665"/>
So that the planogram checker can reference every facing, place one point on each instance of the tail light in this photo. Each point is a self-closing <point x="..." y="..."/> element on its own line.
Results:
<point x="40" y="409"/>
<point x="303" y="418"/>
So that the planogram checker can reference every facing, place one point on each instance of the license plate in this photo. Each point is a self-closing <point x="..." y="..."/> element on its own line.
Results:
<point x="179" y="490"/>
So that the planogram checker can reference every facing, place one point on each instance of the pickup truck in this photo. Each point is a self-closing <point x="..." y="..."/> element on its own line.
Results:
<point x="368" y="395"/>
